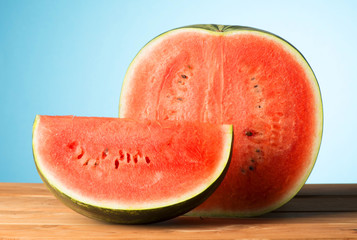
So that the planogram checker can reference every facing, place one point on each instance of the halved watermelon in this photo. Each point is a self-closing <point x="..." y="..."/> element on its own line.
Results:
<point x="129" y="171"/>
<point x="243" y="76"/>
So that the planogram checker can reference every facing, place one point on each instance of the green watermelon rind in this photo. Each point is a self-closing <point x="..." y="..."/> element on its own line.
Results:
<point x="137" y="216"/>
<point x="231" y="29"/>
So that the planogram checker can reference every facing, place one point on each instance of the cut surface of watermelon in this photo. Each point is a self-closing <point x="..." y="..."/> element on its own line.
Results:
<point x="247" y="77"/>
<point x="130" y="171"/>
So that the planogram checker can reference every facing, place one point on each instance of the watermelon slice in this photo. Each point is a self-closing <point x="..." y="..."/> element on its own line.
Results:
<point x="247" y="77"/>
<point x="128" y="171"/>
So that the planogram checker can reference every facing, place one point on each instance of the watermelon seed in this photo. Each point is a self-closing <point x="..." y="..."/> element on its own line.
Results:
<point x="259" y="106"/>
<point x="255" y="86"/>
<point x="189" y="66"/>
<point x="257" y="150"/>
<point x="86" y="162"/>
<point x="121" y="155"/>
<point x="253" y="78"/>
<point x="136" y="158"/>
<point x="181" y="82"/>
<point x="96" y="162"/>
<point x="251" y="168"/>
<point x="248" y="133"/>
<point x="128" y="157"/>
<point x="183" y="76"/>
<point x="242" y="170"/>
<point x="105" y="153"/>
<point x="147" y="159"/>
<point x="116" y="163"/>
<point x="180" y="98"/>
<point x="81" y="154"/>
<point x="252" y="160"/>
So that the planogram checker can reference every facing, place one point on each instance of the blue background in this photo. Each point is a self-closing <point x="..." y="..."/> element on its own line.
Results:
<point x="69" y="57"/>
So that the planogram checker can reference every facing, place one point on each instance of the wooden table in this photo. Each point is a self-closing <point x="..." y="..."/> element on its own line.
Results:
<point x="29" y="211"/>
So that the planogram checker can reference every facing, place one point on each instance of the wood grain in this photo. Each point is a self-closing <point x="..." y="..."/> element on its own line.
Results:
<point x="29" y="211"/>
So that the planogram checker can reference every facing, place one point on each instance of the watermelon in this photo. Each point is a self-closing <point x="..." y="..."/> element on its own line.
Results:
<point x="246" y="77"/>
<point x="129" y="171"/>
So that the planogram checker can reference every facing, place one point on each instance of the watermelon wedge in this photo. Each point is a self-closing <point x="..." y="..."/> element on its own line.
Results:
<point x="246" y="77"/>
<point x="129" y="171"/>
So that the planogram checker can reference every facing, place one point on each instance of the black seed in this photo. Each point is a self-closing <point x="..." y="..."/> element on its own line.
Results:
<point x="183" y="76"/>
<point x="259" y="106"/>
<point x="248" y="133"/>
<point x="251" y="168"/>
<point x="180" y="98"/>
<point x="86" y="163"/>
<point x="257" y="150"/>
<point x="253" y="78"/>
<point x="255" y="86"/>
<point x="252" y="160"/>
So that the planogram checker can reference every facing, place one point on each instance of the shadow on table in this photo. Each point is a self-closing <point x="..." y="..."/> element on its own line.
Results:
<point x="270" y="218"/>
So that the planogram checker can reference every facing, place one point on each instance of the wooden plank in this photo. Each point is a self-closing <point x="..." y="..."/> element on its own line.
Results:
<point x="24" y="189"/>
<point x="323" y="197"/>
<point x="184" y="228"/>
<point x="320" y="204"/>
<point x="328" y="190"/>
<point x="29" y="211"/>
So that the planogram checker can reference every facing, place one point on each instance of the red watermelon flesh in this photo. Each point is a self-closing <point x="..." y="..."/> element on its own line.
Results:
<point x="242" y="76"/>
<point x="130" y="171"/>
